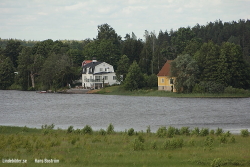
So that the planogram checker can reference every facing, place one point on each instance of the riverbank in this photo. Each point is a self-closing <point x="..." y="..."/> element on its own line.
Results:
<point x="85" y="147"/>
<point x="118" y="90"/>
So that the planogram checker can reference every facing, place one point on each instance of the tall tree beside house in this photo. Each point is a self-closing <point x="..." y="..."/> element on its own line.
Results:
<point x="134" y="79"/>
<point x="57" y="71"/>
<point x="122" y="68"/>
<point x="107" y="46"/>
<point x="207" y="59"/>
<point x="6" y="72"/>
<point x="185" y="69"/>
<point x="181" y="39"/>
<point x="132" y="47"/>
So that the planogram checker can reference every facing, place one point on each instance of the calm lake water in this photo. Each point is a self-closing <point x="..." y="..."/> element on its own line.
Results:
<point x="20" y="108"/>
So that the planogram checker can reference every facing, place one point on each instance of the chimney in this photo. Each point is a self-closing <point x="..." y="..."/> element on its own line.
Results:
<point x="94" y="60"/>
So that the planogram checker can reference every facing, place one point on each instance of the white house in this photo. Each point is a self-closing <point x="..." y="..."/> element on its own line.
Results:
<point x="97" y="74"/>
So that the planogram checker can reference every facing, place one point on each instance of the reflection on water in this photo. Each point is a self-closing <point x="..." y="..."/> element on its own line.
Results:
<point x="19" y="108"/>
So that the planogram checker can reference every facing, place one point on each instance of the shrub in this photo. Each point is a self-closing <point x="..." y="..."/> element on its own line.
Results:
<point x="196" y="131"/>
<point x="171" y="132"/>
<point x="131" y="132"/>
<point x="25" y="129"/>
<point x="209" y="141"/>
<point x="244" y="133"/>
<point x="161" y="132"/>
<point x="185" y="131"/>
<point x="212" y="87"/>
<point x="87" y="130"/>
<point x="110" y="129"/>
<point x="232" y="139"/>
<point x="48" y="126"/>
<point x="218" y="131"/>
<point x="153" y="145"/>
<point x="231" y="90"/>
<point x="70" y="129"/>
<point x="228" y="134"/>
<point x="223" y="138"/>
<point x="77" y="131"/>
<point x="138" y="145"/>
<point x="204" y="132"/>
<point x="148" y="129"/>
<point x="102" y="132"/>
<point x="173" y="143"/>
<point x="141" y="139"/>
<point x="216" y="162"/>
<point x="211" y="132"/>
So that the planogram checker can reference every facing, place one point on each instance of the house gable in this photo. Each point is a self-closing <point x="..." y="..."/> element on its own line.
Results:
<point x="165" y="81"/>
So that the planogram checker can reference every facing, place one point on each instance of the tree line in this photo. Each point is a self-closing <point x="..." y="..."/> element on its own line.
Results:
<point x="218" y="52"/>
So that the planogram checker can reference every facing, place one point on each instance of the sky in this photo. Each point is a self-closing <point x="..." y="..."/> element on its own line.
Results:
<point x="78" y="19"/>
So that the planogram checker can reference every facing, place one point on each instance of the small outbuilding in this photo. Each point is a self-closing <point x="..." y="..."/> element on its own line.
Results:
<point x="165" y="80"/>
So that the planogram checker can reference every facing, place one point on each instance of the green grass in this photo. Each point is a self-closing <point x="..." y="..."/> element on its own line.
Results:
<point x="120" y="149"/>
<point x="118" y="90"/>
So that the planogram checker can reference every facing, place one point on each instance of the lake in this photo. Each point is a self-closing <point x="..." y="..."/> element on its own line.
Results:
<point x="31" y="109"/>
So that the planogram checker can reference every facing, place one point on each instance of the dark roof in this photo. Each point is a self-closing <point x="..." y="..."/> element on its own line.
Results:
<point x="165" y="71"/>
<point x="91" y="66"/>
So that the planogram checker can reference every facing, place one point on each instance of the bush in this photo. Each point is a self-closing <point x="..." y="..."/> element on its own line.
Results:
<point x="218" y="131"/>
<point x="209" y="141"/>
<point x="173" y="144"/>
<point x="25" y="129"/>
<point x="185" y="131"/>
<point x="211" y="132"/>
<point x="70" y="129"/>
<point x="223" y="138"/>
<point x="102" y="132"/>
<point x="244" y="133"/>
<point x="231" y="90"/>
<point x="110" y="129"/>
<point x="216" y="162"/>
<point x="232" y="139"/>
<point x="87" y="130"/>
<point x="141" y="139"/>
<point x="148" y="129"/>
<point x="153" y="145"/>
<point x="48" y="126"/>
<point x="198" y="88"/>
<point x="131" y="132"/>
<point x="204" y="132"/>
<point x="138" y="145"/>
<point x="209" y="87"/>
<point x="196" y="131"/>
<point x="161" y="132"/>
<point x="171" y="132"/>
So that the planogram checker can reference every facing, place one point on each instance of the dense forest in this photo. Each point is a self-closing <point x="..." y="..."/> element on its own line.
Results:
<point x="216" y="55"/>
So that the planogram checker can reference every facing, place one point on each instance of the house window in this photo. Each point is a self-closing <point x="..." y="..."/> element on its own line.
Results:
<point x="98" y="78"/>
<point x="162" y="80"/>
<point x="114" y="77"/>
<point x="171" y="81"/>
<point x="105" y="77"/>
<point x="101" y="69"/>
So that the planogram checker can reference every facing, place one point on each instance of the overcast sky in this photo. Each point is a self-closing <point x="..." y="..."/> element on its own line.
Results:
<point x="78" y="19"/>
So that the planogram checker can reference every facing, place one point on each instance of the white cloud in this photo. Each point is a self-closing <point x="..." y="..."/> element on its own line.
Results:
<point x="77" y="19"/>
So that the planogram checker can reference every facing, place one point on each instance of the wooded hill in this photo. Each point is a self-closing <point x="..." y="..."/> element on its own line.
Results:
<point x="218" y="48"/>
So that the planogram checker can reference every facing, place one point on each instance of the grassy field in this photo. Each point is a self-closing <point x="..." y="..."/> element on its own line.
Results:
<point x="118" y="90"/>
<point x="84" y="147"/>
